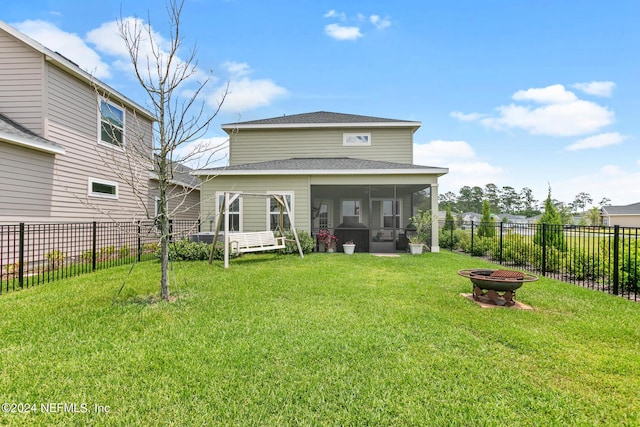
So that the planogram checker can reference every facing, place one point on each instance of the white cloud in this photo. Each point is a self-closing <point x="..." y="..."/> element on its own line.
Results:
<point x="561" y="113"/>
<point x="596" y="88"/>
<point x="611" y="181"/>
<point x="460" y="158"/>
<point x="68" y="44"/>
<point x="333" y="14"/>
<point x="597" y="141"/>
<point x="555" y="94"/>
<point x="380" y="23"/>
<point x="341" y="32"/>
<point x="237" y="69"/>
<point x="565" y="119"/>
<point x="204" y="152"/>
<point x="245" y="93"/>
<point x="471" y="117"/>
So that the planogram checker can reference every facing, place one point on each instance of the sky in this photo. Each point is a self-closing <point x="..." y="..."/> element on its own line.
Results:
<point x="521" y="93"/>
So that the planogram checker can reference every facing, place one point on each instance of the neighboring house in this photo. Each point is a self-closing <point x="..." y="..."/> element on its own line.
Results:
<point x="624" y="216"/>
<point x="183" y="194"/>
<point x="66" y="141"/>
<point x="511" y="218"/>
<point x="348" y="173"/>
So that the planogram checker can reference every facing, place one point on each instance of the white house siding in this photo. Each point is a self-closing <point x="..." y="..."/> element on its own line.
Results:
<point x="250" y="146"/>
<point x="255" y="208"/>
<point x="26" y="183"/>
<point x="73" y="123"/>
<point x="21" y="83"/>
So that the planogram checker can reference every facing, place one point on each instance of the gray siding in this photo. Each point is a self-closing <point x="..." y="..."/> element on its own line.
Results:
<point x="255" y="208"/>
<point x="73" y="123"/>
<point x="21" y="83"/>
<point x="184" y="203"/>
<point x="250" y="146"/>
<point x="26" y="182"/>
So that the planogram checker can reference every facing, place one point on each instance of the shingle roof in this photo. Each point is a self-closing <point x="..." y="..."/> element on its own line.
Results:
<point x="16" y="133"/>
<point x="324" y="164"/>
<point x="632" y="209"/>
<point x="320" y="118"/>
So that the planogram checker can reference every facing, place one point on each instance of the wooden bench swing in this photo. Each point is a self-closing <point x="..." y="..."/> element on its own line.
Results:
<point x="256" y="241"/>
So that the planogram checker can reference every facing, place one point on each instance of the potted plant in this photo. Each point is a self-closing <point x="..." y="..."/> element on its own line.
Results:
<point x="327" y="238"/>
<point x="421" y="226"/>
<point x="349" y="247"/>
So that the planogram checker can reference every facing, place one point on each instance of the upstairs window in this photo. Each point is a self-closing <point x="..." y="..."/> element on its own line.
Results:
<point x="356" y="139"/>
<point x="111" y="124"/>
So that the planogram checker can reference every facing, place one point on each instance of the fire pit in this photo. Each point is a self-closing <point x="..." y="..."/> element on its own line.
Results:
<point x="496" y="286"/>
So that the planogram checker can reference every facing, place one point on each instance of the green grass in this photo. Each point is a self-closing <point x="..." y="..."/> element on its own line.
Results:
<point x="325" y="340"/>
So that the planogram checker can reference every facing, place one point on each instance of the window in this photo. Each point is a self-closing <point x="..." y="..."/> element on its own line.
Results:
<point x="101" y="188"/>
<point x="273" y="207"/>
<point x="356" y="139"/>
<point x="388" y="214"/>
<point x="351" y="212"/>
<point x="235" y="212"/>
<point x="111" y="124"/>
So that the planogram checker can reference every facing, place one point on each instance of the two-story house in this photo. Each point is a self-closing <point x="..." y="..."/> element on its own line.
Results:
<point x="72" y="148"/>
<point x="349" y="173"/>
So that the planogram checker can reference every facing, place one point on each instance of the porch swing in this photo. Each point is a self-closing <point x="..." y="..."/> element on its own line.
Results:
<point x="256" y="241"/>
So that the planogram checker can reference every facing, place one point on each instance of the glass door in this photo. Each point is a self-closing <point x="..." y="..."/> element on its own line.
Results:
<point x="384" y="221"/>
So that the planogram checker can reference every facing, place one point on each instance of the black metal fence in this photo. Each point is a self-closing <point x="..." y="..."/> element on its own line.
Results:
<point x="32" y="254"/>
<point x="602" y="258"/>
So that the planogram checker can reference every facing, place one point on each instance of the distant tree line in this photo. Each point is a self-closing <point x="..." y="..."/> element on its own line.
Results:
<point x="507" y="200"/>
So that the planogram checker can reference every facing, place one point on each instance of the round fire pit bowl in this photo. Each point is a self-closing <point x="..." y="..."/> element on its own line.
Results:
<point x="487" y="283"/>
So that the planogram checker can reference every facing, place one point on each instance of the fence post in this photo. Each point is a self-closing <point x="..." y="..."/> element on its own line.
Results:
<point x="544" y="249"/>
<point x="21" y="257"/>
<point x="471" y="238"/>
<point x="501" y="230"/>
<point x="616" y="259"/>
<point x="139" y="241"/>
<point x="94" y="246"/>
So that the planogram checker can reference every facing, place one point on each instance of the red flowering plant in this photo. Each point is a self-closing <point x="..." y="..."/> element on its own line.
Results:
<point x="327" y="237"/>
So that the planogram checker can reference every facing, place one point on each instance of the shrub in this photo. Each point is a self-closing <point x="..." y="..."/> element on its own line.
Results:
<point x="307" y="242"/>
<point x="452" y="241"/>
<point x="186" y="250"/>
<point x="55" y="258"/>
<point x="515" y="249"/>
<point x="125" y="251"/>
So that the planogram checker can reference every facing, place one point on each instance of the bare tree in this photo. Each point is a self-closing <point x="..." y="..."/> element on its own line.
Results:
<point x="180" y="119"/>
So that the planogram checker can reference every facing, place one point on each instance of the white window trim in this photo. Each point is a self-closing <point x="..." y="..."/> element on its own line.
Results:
<point x="397" y="215"/>
<point x="91" y="193"/>
<point x="283" y="193"/>
<point x="350" y="140"/>
<point x="124" y="125"/>
<point x="342" y="211"/>
<point x="240" y="207"/>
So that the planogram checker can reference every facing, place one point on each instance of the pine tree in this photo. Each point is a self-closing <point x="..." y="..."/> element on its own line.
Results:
<point x="487" y="224"/>
<point x="551" y="220"/>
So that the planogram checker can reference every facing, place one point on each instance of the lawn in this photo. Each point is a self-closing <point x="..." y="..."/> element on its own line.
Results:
<point x="325" y="340"/>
